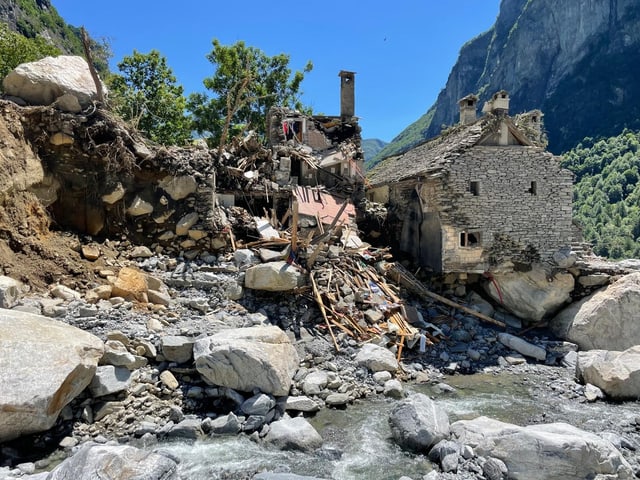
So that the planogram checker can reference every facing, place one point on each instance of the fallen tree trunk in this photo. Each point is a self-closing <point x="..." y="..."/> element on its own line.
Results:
<point x="402" y="276"/>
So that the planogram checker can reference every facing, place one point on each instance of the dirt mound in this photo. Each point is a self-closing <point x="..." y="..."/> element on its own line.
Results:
<point x="31" y="250"/>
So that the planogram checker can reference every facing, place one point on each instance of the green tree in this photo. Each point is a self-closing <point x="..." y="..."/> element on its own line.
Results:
<point x="146" y="94"/>
<point x="16" y="49"/>
<point x="245" y="84"/>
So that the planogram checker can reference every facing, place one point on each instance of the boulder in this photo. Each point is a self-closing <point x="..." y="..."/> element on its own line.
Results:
<point x="185" y="223"/>
<point x="531" y="295"/>
<point x="293" y="434"/>
<point x="115" y="353"/>
<point x="223" y="425"/>
<point x="139" y="206"/>
<point x="301" y="404"/>
<point x="259" y="404"/>
<point x="44" y="364"/>
<point x="179" y="187"/>
<point x="418" y="423"/>
<point x="108" y="380"/>
<point x="606" y="320"/>
<point x="43" y="82"/>
<point x="376" y="359"/>
<point x="337" y="399"/>
<point x="10" y="291"/>
<point x="616" y="373"/>
<point x="282" y="476"/>
<point x="274" y="277"/>
<point x="177" y="348"/>
<point x="94" y="461"/>
<point x="131" y="284"/>
<point x="561" y="451"/>
<point x="522" y="346"/>
<point x="315" y="382"/>
<point x="247" y="358"/>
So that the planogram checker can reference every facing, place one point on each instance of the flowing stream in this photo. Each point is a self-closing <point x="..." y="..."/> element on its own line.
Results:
<point x="358" y="444"/>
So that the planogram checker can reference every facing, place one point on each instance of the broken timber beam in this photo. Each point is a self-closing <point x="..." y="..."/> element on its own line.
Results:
<point x="316" y="294"/>
<point x="402" y="276"/>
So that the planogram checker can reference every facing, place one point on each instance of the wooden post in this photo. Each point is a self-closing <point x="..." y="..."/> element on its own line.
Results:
<point x="316" y="293"/>
<point x="294" y="226"/>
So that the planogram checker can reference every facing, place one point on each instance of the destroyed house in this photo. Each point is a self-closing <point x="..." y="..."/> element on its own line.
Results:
<point x="319" y="149"/>
<point x="483" y="194"/>
<point x="313" y="168"/>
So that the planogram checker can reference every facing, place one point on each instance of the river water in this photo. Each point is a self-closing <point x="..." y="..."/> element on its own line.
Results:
<point x="357" y="441"/>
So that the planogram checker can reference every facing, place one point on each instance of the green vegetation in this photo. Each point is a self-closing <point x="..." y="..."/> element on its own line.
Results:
<point x="410" y="136"/>
<point x="38" y="17"/>
<point x="245" y="84"/>
<point x="147" y="96"/>
<point x="16" y="49"/>
<point x="607" y="193"/>
<point x="371" y="146"/>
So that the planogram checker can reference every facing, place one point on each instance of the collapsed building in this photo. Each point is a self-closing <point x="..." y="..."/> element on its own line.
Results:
<point x="482" y="195"/>
<point x="485" y="193"/>
<point x="96" y="176"/>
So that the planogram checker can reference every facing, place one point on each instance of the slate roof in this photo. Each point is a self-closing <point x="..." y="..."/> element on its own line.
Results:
<point x="436" y="154"/>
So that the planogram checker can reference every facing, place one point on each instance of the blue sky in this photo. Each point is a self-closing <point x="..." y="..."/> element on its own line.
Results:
<point x="402" y="51"/>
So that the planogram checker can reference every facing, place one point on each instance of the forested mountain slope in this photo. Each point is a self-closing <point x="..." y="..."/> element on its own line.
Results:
<point x="607" y="193"/>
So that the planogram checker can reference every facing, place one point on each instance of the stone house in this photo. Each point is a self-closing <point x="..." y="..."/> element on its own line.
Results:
<point x="484" y="194"/>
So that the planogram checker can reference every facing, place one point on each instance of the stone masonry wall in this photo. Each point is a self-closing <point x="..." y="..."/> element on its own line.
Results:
<point x="520" y="204"/>
<point x="513" y="222"/>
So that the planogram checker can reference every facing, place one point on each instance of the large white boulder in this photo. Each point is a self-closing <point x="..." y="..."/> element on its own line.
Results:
<point x="376" y="358"/>
<point x="615" y="373"/>
<point x="10" y="290"/>
<point x="293" y="434"/>
<point x="94" y="461"/>
<point x="179" y="187"/>
<point x="247" y="358"/>
<point x="418" y="423"/>
<point x="44" y="364"/>
<point x="45" y="81"/>
<point x="554" y="451"/>
<point x="609" y="319"/>
<point x="274" y="277"/>
<point x="531" y="295"/>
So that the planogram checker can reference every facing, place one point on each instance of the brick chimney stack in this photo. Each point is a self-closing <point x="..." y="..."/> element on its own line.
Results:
<point x="347" y="94"/>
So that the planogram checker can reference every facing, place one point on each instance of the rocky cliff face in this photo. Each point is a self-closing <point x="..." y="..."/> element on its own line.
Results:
<point x="576" y="61"/>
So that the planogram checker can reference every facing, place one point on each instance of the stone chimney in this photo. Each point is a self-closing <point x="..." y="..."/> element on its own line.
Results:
<point x="347" y="94"/>
<point x="499" y="103"/>
<point x="468" y="107"/>
<point x="531" y="124"/>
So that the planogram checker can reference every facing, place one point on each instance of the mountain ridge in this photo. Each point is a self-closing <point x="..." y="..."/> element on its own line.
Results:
<point x="576" y="64"/>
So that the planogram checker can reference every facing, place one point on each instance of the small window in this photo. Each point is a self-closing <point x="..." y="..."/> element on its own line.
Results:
<point x="533" y="190"/>
<point x="474" y="188"/>
<point x="470" y="103"/>
<point x="469" y="239"/>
